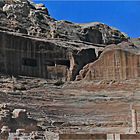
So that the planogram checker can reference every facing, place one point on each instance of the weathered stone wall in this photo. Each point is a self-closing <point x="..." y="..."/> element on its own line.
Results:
<point x="115" y="64"/>
<point x="99" y="137"/>
<point x="129" y="136"/>
<point x="83" y="136"/>
<point x="25" y="56"/>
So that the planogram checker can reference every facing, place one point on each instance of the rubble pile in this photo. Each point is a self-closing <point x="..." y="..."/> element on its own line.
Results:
<point x="16" y="119"/>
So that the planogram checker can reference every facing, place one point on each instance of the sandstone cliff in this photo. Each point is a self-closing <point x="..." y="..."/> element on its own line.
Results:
<point x="117" y="62"/>
<point x="51" y="59"/>
<point x="33" y="19"/>
<point x="38" y="45"/>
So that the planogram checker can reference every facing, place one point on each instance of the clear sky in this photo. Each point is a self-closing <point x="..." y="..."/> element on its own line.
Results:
<point x="124" y="15"/>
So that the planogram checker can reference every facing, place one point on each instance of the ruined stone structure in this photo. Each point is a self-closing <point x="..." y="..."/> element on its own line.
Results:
<point x="115" y="63"/>
<point x="40" y="58"/>
<point x="23" y="56"/>
<point x="82" y="136"/>
<point x="99" y="136"/>
<point x="35" y="44"/>
<point x="16" y="119"/>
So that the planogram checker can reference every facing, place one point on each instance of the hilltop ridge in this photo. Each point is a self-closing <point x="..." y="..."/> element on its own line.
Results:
<point x="26" y="17"/>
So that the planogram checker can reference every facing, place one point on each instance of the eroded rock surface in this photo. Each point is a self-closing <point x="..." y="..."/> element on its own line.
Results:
<point x="34" y="44"/>
<point x="34" y="19"/>
<point x="41" y="46"/>
<point x="51" y="59"/>
<point x="117" y="62"/>
<point x="73" y="107"/>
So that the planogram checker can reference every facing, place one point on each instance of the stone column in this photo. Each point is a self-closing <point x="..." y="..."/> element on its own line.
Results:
<point x="134" y="121"/>
<point x="117" y="136"/>
<point x="110" y="136"/>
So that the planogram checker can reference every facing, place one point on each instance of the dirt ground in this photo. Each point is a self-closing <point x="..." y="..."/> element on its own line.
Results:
<point x="74" y="106"/>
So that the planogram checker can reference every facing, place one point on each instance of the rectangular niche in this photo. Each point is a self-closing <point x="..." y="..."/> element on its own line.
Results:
<point x="29" y="62"/>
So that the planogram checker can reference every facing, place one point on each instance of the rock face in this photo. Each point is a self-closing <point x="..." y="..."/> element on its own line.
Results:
<point x="49" y="59"/>
<point x="117" y="62"/>
<point x="33" y="19"/>
<point x="41" y="46"/>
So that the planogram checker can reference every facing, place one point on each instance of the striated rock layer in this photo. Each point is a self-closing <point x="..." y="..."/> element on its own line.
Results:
<point x="51" y="59"/>
<point x="117" y="62"/>
<point x="35" y="44"/>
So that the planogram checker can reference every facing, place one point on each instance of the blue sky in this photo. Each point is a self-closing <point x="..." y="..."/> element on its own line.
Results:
<point x="124" y="15"/>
